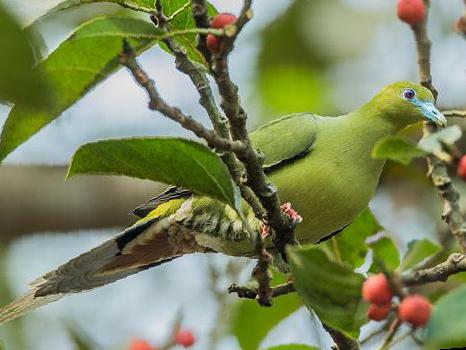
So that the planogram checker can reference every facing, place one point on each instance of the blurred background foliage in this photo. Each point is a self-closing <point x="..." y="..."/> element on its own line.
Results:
<point x="323" y="56"/>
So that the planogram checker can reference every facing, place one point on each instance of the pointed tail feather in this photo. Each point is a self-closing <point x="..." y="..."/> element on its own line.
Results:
<point x="25" y="304"/>
<point x="91" y="269"/>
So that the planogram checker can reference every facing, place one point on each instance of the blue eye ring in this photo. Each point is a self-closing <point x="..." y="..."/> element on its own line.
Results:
<point x="409" y="94"/>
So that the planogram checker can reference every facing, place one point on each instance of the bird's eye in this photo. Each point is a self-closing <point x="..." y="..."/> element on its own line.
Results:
<point x="409" y="94"/>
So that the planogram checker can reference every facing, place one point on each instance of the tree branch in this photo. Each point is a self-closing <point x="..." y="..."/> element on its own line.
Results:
<point x="455" y="263"/>
<point x="201" y="18"/>
<point x="199" y="79"/>
<point x="127" y="58"/>
<point x="256" y="178"/>
<point x="391" y="334"/>
<point x="437" y="169"/>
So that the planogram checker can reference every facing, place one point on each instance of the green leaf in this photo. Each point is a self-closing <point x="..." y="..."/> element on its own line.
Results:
<point x="434" y="143"/>
<point x="138" y="5"/>
<point x="418" y="251"/>
<point x="447" y="325"/>
<point x="174" y="161"/>
<point x="384" y="251"/>
<point x="396" y="149"/>
<point x="350" y="245"/>
<point x="184" y="20"/>
<point x="293" y="347"/>
<point x="331" y="290"/>
<point x="19" y="83"/>
<point x="251" y="322"/>
<point x="89" y="56"/>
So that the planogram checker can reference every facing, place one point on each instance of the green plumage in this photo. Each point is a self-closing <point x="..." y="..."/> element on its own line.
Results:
<point x="322" y="165"/>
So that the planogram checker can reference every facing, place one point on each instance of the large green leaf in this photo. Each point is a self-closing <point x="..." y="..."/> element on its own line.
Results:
<point x="331" y="290"/>
<point x="447" y="326"/>
<point x="252" y="323"/>
<point x="396" y="149"/>
<point x="350" y="245"/>
<point x="173" y="161"/>
<point x="419" y="250"/>
<point x="141" y="5"/>
<point x="384" y="252"/>
<point x="179" y="9"/>
<point x="293" y="347"/>
<point x="19" y="83"/>
<point x="79" y="63"/>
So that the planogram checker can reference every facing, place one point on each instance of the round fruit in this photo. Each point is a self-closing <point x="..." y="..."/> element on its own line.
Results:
<point x="140" y="344"/>
<point x="185" y="338"/>
<point x="462" y="168"/>
<point x="378" y="312"/>
<point x="376" y="290"/>
<point x="222" y="20"/>
<point x="415" y="309"/>
<point x="213" y="43"/>
<point x="411" y="11"/>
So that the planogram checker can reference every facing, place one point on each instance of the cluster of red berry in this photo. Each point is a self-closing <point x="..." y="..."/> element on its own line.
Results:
<point x="220" y="21"/>
<point x="413" y="309"/>
<point x="180" y="337"/>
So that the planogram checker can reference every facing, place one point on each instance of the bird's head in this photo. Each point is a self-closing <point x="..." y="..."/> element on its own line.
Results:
<point x="406" y="103"/>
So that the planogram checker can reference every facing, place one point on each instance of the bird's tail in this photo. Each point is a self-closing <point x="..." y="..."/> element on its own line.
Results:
<point x="137" y="248"/>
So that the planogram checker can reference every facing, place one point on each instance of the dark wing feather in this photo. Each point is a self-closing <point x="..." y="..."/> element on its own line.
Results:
<point x="171" y="193"/>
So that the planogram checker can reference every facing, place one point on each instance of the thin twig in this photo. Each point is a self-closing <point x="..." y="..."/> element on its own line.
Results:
<point x="455" y="263"/>
<point x="437" y="169"/>
<point x="375" y="333"/>
<point x="391" y="334"/>
<point x="249" y="293"/>
<point x="157" y="103"/>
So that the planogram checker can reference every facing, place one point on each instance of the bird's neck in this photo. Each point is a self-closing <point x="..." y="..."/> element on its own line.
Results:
<point x="375" y="122"/>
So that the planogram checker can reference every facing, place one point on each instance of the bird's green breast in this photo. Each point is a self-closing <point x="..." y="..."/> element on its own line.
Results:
<point x="335" y="182"/>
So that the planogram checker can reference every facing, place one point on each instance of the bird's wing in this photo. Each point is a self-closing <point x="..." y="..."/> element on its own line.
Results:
<point x="170" y="193"/>
<point x="285" y="140"/>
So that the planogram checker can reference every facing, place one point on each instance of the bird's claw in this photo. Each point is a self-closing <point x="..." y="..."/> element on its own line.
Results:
<point x="288" y="210"/>
<point x="291" y="213"/>
<point x="265" y="230"/>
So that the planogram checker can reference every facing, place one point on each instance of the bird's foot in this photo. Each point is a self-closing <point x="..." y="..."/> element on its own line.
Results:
<point x="265" y="229"/>
<point x="288" y="210"/>
<point x="291" y="213"/>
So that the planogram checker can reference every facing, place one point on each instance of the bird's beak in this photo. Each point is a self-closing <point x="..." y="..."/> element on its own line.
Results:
<point x="432" y="114"/>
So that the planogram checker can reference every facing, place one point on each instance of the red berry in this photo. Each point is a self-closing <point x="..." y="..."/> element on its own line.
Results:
<point x="185" y="338"/>
<point x="213" y="43"/>
<point x="376" y="290"/>
<point x="222" y="20"/>
<point x="378" y="312"/>
<point x="415" y="309"/>
<point x="140" y="344"/>
<point x="462" y="168"/>
<point x="411" y="11"/>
